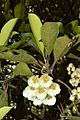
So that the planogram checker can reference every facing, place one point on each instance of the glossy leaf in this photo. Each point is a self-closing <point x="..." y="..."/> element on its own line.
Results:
<point x="4" y="110"/>
<point x="61" y="47"/>
<point x="6" y="31"/>
<point x="49" y="32"/>
<point x="22" y="69"/>
<point x="36" y="25"/>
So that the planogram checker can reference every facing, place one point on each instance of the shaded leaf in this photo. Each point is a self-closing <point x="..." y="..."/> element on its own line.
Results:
<point x="72" y="27"/>
<point x="4" y="110"/>
<point x="49" y="32"/>
<point x="71" y="55"/>
<point x="29" y="38"/>
<point x="36" y="25"/>
<point x="73" y="117"/>
<point x="61" y="47"/>
<point x="23" y="57"/>
<point x="19" y="10"/>
<point x="3" y="98"/>
<point x="61" y="29"/>
<point x="6" y="31"/>
<point x="22" y="69"/>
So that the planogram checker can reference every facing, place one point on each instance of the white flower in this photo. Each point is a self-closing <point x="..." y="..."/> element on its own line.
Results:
<point x="50" y="100"/>
<point x="33" y="81"/>
<point x="37" y="102"/>
<point x="70" y="68"/>
<point x="74" y="82"/>
<point x="73" y="68"/>
<point x="45" y="80"/>
<point x="40" y="93"/>
<point x="69" y="72"/>
<point x="54" y="89"/>
<point x="78" y="72"/>
<point x="72" y="97"/>
<point x="29" y="93"/>
<point x="74" y="91"/>
<point x="78" y="89"/>
<point x="78" y="95"/>
<point x="73" y="74"/>
<point x="70" y="65"/>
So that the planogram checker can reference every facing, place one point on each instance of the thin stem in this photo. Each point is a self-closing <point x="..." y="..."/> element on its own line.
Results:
<point x="36" y="68"/>
<point x="64" y="84"/>
<point x="43" y="112"/>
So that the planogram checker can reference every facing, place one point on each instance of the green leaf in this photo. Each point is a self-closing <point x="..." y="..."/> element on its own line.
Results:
<point x="19" y="10"/>
<point x="71" y="55"/>
<point x="22" y="69"/>
<point x="29" y="38"/>
<point x="73" y="117"/>
<point x="16" y="45"/>
<point x="3" y="98"/>
<point x="49" y="32"/>
<point x="61" y="29"/>
<point x="14" y="33"/>
<point x="61" y="47"/>
<point x="6" y="31"/>
<point x="4" y="110"/>
<point x="23" y="57"/>
<point x="72" y="27"/>
<point x="36" y="25"/>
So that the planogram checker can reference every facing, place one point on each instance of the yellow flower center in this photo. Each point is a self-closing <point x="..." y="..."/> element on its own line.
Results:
<point x="35" y="79"/>
<point x="45" y="77"/>
<point x="53" y="86"/>
<point x="40" y="89"/>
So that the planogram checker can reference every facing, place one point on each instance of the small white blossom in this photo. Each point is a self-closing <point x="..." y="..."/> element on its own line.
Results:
<point x="54" y="89"/>
<point x="33" y="81"/>
<point x="40" y="92"/>
<point x="74" y="91"/>
<point x="72" y="97"/>
<point x="50" y="100"/>
<point x="74" y="82"/>
<point x="70" y="65"/>
<point x="45" y="80"/>
<point x="29" y="93"/>
<point x="69" y="72"/>
<point x="73" y="74"/>
<point x="78" y="95"/>
<point x="78" y="89"/>
<point x="37" y="102"/>
<point x="73" y="68"/>
<point x="70" y="68"/>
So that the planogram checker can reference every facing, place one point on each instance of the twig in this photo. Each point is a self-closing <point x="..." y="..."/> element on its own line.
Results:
<point x="64" y="84"/>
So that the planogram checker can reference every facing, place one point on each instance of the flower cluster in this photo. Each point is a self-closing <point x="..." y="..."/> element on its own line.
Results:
<point x="75" y="94"/>
<point x="41" y="90"/>
<point x="75" y="75"/>
<point x="74" y="81"/>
